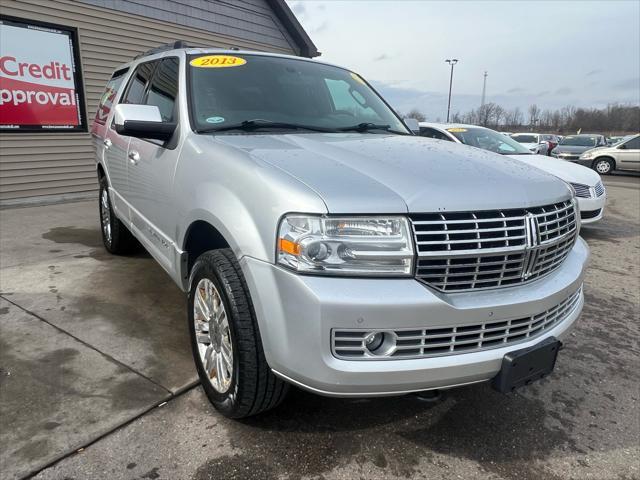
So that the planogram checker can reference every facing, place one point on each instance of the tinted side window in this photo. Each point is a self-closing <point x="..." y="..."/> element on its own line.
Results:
<point x="164" y="88"/>
<point x="633" y="144"/>
<point x="138" y="82"/>
<point x="432" y="133"/>
<point x="109" y="96"/>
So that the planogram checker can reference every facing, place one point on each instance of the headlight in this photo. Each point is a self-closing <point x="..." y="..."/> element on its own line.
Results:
<point x="379" y="246"/>
<point x="587" y="155"/>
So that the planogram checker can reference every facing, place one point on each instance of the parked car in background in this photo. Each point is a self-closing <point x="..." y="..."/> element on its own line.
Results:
<point x="572" y="146"/>
<point x="614" y="140"/>
<point x="624" y="155"/>
<point x="552" y="140"/>
<point x="587" y="184"/>
<point x="321" y="243"/>
<point x="534" y="142"/>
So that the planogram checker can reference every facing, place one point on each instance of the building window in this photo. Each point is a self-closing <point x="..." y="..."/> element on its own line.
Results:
<point x="40" y="78"/>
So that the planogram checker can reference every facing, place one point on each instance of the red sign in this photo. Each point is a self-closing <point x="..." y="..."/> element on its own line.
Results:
<point x="39" y="78"/>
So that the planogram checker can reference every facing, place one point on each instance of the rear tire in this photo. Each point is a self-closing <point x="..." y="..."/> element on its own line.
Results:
<point x="604" y="166"/>
<point x="116" y="237"/>
<point x="225" y="339"/>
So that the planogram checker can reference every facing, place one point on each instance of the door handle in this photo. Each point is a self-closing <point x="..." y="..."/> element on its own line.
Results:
<point x="107" y="143"/>
<point x="134" y="157"/>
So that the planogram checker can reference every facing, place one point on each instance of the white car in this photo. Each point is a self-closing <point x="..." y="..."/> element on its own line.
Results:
<point x="534" y="142"/>
<point x="587" y="183"/>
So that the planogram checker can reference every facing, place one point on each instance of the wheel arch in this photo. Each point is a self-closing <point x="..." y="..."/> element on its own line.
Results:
<point x="601" y="157"/>
<point x="100" y="171"/>
<point x="201" y="236"/>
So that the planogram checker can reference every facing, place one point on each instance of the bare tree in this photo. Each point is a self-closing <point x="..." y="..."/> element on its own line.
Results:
<point x="534" y="115"/>
<point x="485" y="113"/>
<point x="498" y="115"/>
<point x="513" y="118"/>
<point x="614" y="119"/>
<point x="417" y="114"/>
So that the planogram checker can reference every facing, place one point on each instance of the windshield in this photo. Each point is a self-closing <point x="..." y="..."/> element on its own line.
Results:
<point x="579" y="141"/>
<point x="525" y="138"/>
<point x="283" y="90"/>
<point x="488" y="140"/>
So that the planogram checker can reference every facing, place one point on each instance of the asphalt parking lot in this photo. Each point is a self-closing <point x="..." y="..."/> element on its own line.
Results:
<point x="96" y="379"/>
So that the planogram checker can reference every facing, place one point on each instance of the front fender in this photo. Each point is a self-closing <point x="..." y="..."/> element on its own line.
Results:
<point x="243" y="198"/>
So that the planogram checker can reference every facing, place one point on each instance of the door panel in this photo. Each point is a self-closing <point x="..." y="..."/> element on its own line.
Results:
<point x="629" y="157"/>
<point x="151" y="165"/>
<point x="110" y="147"/>
<point x="115" y="156"/>
<point x="150" y="183"/>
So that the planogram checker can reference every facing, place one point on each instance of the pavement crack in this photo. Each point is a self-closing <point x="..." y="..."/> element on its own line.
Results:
<point x="160" y="403"/>
<point x="88" y="345"/>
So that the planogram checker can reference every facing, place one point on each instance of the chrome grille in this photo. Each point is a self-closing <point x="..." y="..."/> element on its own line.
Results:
<point x="599" y="188"/>
<point x="437" y="341"/>
<point x="582" y="191"/>
<point x="487" y="249"/>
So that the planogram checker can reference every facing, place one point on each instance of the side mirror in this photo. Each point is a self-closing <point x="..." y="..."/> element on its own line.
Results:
<point x="412" y="124"/>
<point x="623" y="146"/>
<point x="142" y="121"/>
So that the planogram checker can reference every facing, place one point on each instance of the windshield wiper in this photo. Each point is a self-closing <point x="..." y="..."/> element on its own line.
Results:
<point x="249" y="125"/>
<point x="364" y="127"/>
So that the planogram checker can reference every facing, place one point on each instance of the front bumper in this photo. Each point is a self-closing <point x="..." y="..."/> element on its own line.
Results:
<point x="571" y="157"/>
<point x="585" y="162"/>
<point x="297" y="313"/>
<point x="591" y="209"/>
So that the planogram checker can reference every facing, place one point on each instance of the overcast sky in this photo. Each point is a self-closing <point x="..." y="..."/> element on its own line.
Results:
<point x="583" y="53"/>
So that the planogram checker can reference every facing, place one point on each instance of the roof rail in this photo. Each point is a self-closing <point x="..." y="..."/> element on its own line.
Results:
<point x="164" y="48"/>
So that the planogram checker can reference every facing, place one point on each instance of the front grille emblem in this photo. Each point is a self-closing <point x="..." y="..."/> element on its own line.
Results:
<point x="532" y="231"/>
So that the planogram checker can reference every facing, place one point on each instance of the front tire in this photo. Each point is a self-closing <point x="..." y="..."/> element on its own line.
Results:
<point x="116" y="237"/>
<point x="604" y="166"/>
<point x="225" y="339"/>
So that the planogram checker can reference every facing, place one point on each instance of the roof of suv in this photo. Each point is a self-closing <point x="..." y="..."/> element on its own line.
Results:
<point x="215" y="51"/>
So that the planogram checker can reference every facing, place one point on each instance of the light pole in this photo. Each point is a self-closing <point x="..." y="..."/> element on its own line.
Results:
<point x="451" y="62"/>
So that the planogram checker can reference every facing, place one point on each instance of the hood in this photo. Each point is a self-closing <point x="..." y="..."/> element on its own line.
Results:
<point x="567" y="171"/>
<point x="381" y="173"/>
<point x="570" y="149"/>
<point x="607" y="147"/>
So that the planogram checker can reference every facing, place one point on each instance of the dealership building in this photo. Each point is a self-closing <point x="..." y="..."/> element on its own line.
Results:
<point x="57" y="55"/>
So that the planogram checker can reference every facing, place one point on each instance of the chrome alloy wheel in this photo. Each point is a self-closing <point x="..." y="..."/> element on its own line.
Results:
<point x="213" y="335"/>
<point x="603" y="167"/>
<point x="105" y="215"/>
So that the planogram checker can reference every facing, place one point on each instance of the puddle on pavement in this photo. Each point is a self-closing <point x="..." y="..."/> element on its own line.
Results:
<point x="83" y="236"/>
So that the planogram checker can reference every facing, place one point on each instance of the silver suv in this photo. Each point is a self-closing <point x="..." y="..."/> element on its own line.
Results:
<point x="320" y="242"/>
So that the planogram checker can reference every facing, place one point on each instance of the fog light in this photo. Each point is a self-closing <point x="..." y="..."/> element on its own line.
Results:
<point x="374" y="341"/>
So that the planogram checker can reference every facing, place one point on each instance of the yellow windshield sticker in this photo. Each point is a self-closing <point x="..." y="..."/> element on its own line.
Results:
<point x="217" y="61"/>
<point x="357" y="78"/>
<point x="456" y="130"/>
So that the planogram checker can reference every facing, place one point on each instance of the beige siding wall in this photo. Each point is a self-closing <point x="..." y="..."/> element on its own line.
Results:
<point x="34" y="165"/>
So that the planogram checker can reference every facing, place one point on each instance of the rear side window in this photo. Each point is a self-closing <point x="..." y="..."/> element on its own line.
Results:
<point x="433" y="133"/>
<point x="109" y="96"/>
<point x="164" y="89"/>
<point x="138" y="83"/>
<point x="633" y="144"/>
